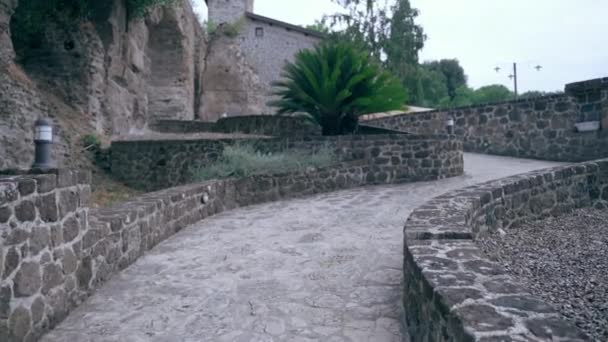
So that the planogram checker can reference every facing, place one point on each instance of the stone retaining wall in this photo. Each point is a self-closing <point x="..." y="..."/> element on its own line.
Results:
<point x="154" y="165"/>
<point x="539" y="128"/>
<point x="44" y="267"/>
<point x="453" y="292"/>
<point x="55" y="251"/>
<point x="270" y="125"/>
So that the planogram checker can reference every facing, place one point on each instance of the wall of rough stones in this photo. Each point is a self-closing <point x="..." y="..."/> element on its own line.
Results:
<point x="241" y="69"/>
<point x="453" y="292"/>
<point x="107" y="76"/>
<point x="228" y="11"/>
<point x="540" y="128"/>
<point x="45" y="266"/>
<point x="154" y="165"/>
<point x="56" y="251"/>
<point x="252" y="124"/>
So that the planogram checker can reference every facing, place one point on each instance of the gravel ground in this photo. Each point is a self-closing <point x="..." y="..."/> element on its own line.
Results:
<point x="564" y="260"/>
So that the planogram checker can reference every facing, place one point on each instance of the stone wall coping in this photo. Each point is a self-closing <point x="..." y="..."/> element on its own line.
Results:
<point x="552" y="97"/>
<point x="460" y="282"/>
<point x="398" y="135"/>
<point x="14" y="186"/>
<point x="589" y="85"/>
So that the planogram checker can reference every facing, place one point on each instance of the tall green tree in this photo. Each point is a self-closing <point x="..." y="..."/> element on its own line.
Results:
<point x="391" y="35"/>
<point x="452" y="71"/>
<point x="334" y="84"/>
<point x="492" y="93"/>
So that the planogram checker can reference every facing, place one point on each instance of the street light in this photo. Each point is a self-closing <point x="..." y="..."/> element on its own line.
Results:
<point x="43" y="140"/>
<point x="513" y="76"/>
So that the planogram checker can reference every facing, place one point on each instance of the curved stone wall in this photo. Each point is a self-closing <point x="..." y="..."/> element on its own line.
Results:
<point x="155" y="165"/>
<point x="55" y="250"/>
<point x="453" y="292"/>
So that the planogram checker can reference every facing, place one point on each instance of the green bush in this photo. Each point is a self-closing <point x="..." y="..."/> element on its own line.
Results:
<point x="242" y="160"/>
<point x="334" y="84"/>
<point x="91" y="141"/>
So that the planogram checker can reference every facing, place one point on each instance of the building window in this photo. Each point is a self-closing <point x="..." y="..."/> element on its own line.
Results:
<point x="259" y="32"/>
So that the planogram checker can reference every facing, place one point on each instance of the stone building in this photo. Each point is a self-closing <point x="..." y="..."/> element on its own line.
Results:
<point x="263" y="44"/>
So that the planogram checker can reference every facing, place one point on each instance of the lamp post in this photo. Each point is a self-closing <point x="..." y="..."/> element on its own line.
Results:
<point x="449" y="124"/>
<point x="513" y="76"/>
<point x="43" y="140"/>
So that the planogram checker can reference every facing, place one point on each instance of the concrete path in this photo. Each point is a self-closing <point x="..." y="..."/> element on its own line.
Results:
<point x="324" y="268"/>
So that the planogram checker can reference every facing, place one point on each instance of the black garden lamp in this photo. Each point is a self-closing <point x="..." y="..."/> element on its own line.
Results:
<point x="43" y="140"/>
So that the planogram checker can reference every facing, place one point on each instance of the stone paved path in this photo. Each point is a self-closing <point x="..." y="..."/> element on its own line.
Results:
<point x="324" y="268"/>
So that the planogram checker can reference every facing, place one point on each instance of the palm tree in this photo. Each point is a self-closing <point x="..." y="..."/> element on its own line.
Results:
<point x="335" y="83"/>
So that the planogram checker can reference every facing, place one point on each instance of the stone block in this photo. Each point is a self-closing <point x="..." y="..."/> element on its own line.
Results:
<point x="52" y="276"/>
<point x="68" y="202"/>
<point x="5" y="214"/>
<point x="40" y="239"/>
<point x="25" y="211"/>
<point x="47" y="207"/>
<point x="20" y="323"/>
<point x="69" y="261"/>
<point x="67" y="178"/>
<point x="45" y="183"/>
<point x="37" y="310"/>
<point x="27" y="186"/>
<point x="11" y="261"/>
<point x="84" y="273"/>
<point x="27" y="281"/>
<point x="71" y="228"/>
<point x="6" y="294"/>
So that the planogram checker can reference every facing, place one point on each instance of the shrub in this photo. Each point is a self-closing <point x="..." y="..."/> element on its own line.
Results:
<point x="334" y="84"/>
<point x="242" y="160"/>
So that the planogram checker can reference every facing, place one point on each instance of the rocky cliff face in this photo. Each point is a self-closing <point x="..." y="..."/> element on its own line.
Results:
<point x="107" y="76"/>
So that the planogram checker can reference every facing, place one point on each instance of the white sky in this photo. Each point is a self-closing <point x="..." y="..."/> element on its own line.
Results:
<point x="569" y="38"/>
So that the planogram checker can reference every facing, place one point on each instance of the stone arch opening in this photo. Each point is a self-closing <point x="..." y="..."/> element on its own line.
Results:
<point x="171" y="79"/>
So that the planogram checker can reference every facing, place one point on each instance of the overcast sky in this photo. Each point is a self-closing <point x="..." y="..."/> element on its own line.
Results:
<point x="569" y="38"/>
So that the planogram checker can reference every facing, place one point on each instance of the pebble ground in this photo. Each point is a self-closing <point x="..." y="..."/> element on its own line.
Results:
<point x="564" y="260"/>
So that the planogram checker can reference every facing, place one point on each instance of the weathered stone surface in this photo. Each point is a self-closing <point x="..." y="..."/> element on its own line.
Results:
<point x="136" y="162"/>
<point x="71" y="228"/>
<point x="70" y="262"/>
<point x="478" y="210"/>
<point x="541" y="128"/>
<point x="484" y="318"/>
<point x="84" y="273"/>
<point x="47" y="206"/>
<point x="37" y="310"/>
<point x="68" y="202"/>
<point x="20" y="323"/>
<point x="6" y="294"/>
<point x="27" y="186"/>
<point x="116" y="77"/>
<point x="27" y="280"/>
<point x="11" y="262"/>
<point x="25" y="211"/>
<point x="5" y="214"/>
<point x="40" y="239"/>
<point x="52" y="276"/>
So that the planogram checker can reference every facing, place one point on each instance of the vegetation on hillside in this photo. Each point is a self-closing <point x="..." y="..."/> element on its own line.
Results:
<point x="242" y="160"/>
<point x="334" y="84"/>
<point x="32" y="17"/>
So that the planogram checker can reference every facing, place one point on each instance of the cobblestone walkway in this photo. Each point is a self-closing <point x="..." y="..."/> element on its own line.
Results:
<point x="324" y="268"/>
